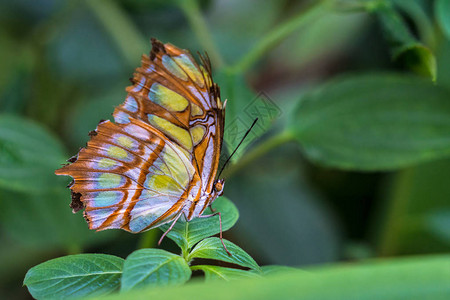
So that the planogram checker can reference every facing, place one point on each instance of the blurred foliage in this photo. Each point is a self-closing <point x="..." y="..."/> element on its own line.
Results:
<point x="425" y="278"/>
<point x="349" y="160"/>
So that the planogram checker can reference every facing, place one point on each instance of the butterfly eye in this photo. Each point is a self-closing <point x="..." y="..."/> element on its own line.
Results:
<point x="218" y="187"/>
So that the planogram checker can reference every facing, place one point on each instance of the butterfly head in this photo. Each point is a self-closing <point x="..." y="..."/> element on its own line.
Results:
<point x="218" y="187"/>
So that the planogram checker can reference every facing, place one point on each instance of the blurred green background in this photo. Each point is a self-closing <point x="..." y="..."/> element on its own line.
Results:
<point x="65" y="65"/>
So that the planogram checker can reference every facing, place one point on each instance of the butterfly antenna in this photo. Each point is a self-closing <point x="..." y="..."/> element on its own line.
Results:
<point x="242" y="140"/>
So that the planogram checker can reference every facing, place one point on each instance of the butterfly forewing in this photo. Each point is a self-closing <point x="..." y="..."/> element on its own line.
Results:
<point x="162" y="153"/>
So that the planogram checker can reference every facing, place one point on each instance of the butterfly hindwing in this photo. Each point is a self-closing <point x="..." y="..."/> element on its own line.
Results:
<point x="123" y="168"/>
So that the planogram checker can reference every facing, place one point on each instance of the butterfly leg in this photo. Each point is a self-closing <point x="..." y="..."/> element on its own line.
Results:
<point x="168" y="230"/>
<point x="220" y="228"/>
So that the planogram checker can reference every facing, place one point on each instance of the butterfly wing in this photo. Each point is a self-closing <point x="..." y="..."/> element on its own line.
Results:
<point x="128" y="177"/>
<point x="184" y="104"/>
<point x="163" y="150"/>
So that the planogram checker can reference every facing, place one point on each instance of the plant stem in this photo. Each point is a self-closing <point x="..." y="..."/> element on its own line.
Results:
<point x="148" y="239"/>
<point x="185" y="249"/>
<point x="259" y="151"/>
<point x="278" y="34"/>
<point x="198" y="24"/>
<point x="122" y="30"/>
<point x="395" y="213"/>
<point x="74" y="248"/>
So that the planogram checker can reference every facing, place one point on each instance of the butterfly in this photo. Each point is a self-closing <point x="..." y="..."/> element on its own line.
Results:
<point x="158" y="162"/>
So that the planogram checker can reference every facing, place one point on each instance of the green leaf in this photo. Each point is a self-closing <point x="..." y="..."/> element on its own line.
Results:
<point x="187" y="234"/>
<point x="212" y="248"/>
<point x="418" y="58"/>
<point x="442" y="12"/>
<point x="75" y="276"/>
<point x="155" y="267"/>
<point x="227" y="274"/>
<point x="29" y="154"/>
<point x="373" y="122"/>
<point x="413" y="278"/>
<point x="405" y="48"/>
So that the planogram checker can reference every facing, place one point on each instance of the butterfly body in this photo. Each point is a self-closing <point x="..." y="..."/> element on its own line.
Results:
<point x="158" y="162"/>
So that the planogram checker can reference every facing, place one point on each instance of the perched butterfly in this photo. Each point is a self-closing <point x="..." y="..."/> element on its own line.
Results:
<point x="158" y="162"/>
